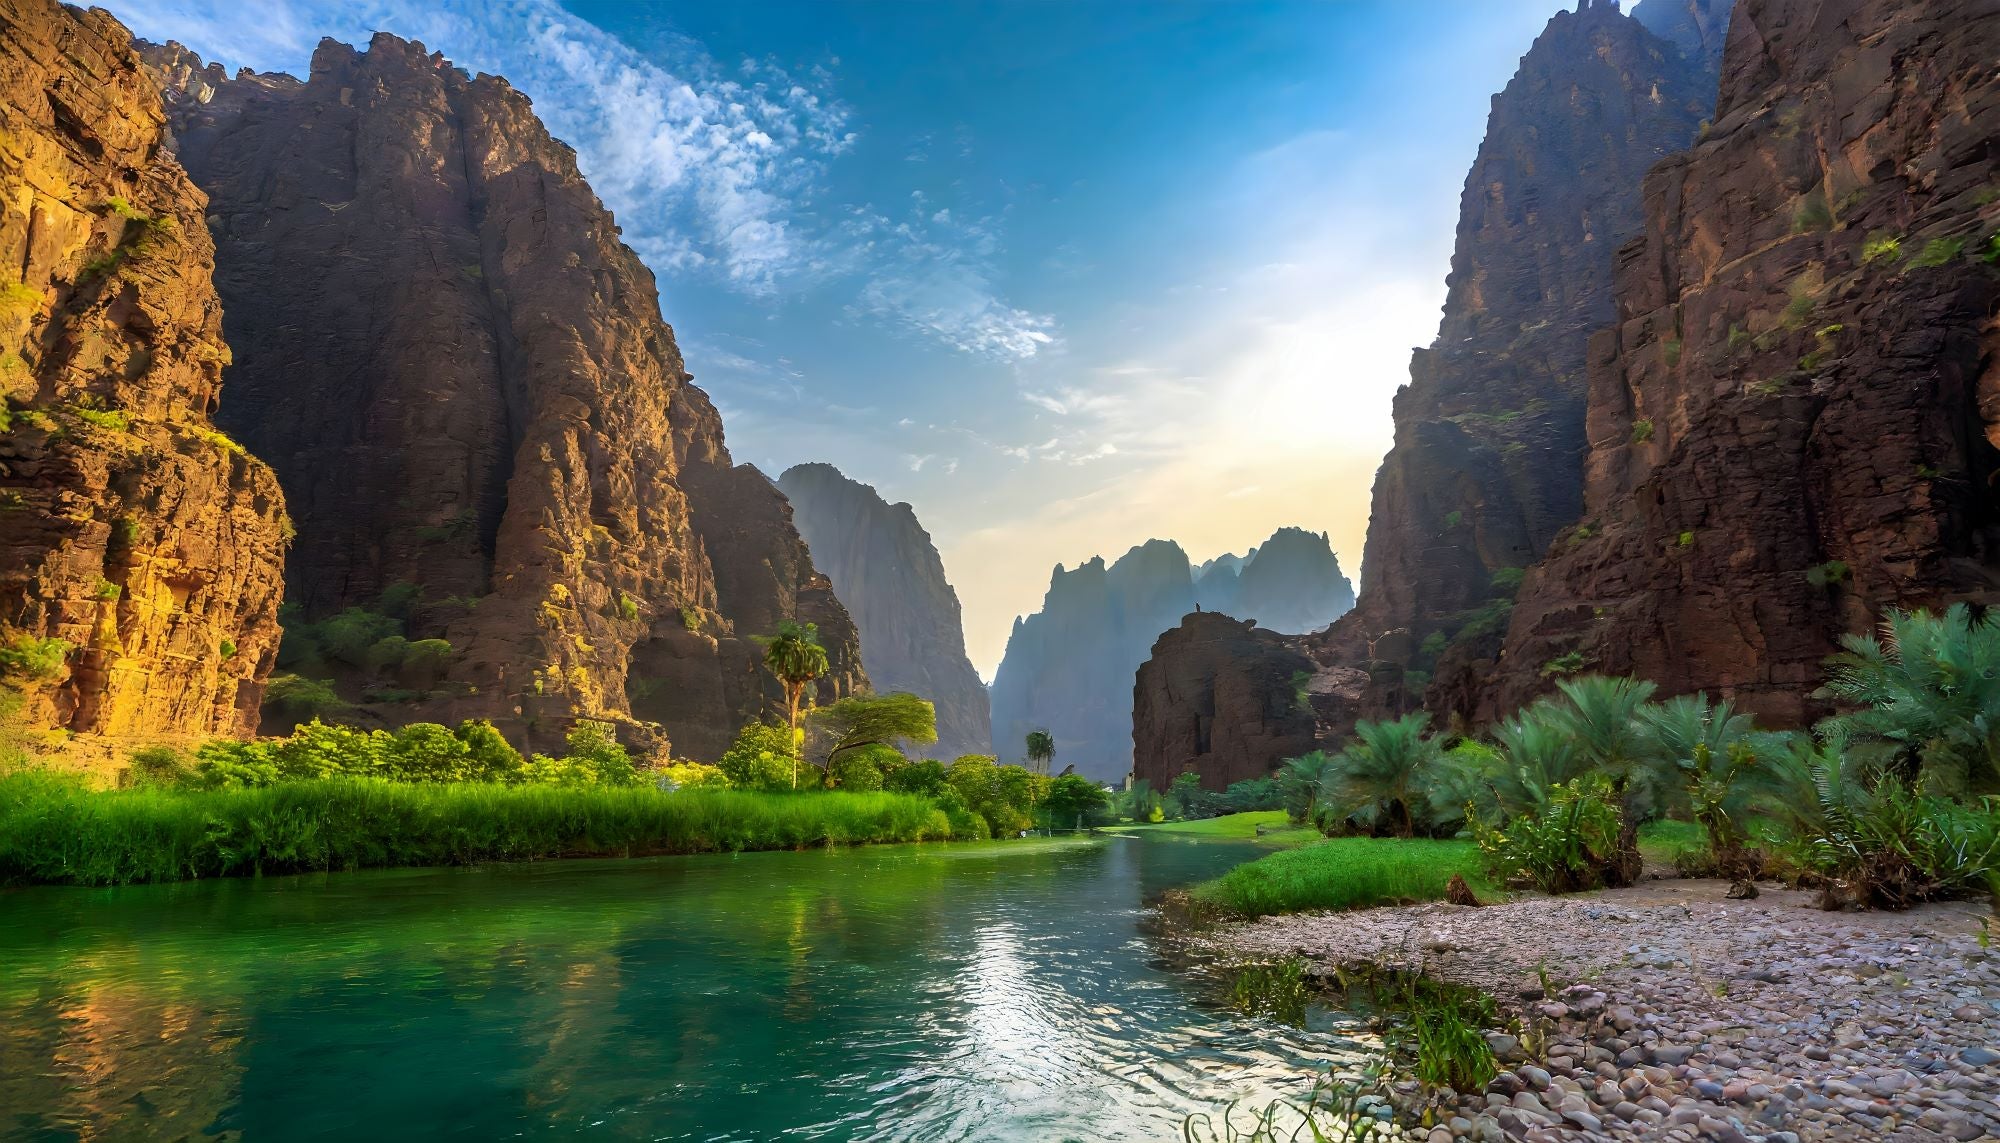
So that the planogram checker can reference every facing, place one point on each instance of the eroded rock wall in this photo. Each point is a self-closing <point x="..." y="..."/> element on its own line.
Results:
<point x="884" y="567"/>
<point x="464" y="381"/>
<point x="130" y="529"/>
<point x="1793" y="419"/>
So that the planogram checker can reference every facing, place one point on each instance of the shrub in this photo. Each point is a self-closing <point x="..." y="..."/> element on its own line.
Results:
<point x="160" y="766"/>
<point x="1642" y="431"/>
<point x="1827" y="574"/>
<point x="684" y="775"/>
<point x="1074" y="799"/>
<point x="27" y="657"/>
<point x="1377" y="784"/>
<point x="1568" y="845"/>
<point x="691" y="619"/>
<point x="299" y="699"/>
<point x="1670" y="352"/>
<point x="1929" y="689"/>
<point x="1812" y="214"/>
<point x="1507" y="580"/>
<point x="1938" y="252"/>
<point x="1568" y="663"/>
<point x="1881" y="246"/>
<point x="1738" y="337"/>
<point x="761" y="758"/>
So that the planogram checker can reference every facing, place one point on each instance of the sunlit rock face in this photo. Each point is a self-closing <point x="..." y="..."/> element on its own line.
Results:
<point x="465" y="383"/>
<point x="1070" y="667"/>
<point x="887" y="572"/>
<point x="1792" y="420"/>
<point x="131" y="531"/>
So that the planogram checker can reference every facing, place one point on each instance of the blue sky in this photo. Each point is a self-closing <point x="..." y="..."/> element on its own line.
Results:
<point x="1064" y="276"/>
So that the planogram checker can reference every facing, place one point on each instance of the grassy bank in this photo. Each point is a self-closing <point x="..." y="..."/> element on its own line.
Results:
<point x="1343" y="873"/>
<point x="1278" y="829"/>
<point x="54" y="830"/>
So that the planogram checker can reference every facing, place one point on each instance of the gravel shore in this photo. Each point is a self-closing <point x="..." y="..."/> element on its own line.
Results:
<point x="1679" y="1015"/>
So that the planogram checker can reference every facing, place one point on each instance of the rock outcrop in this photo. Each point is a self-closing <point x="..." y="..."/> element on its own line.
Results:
<point x="1222" y="698"/>
<point x="1793" y="420"/>
<point x="1487" y="465"/>
<point x="465" y="384"/>
<point x="885" y="568"/>
<point x="1069" y="667"/>
<point x="141" y="551"/>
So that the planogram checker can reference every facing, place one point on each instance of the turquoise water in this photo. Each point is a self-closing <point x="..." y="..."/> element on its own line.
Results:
<point x="992" y="992"/>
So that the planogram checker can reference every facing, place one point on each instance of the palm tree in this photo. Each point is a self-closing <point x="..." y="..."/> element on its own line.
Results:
<point x="1602" y="714"/>
<point x="1301" y="780"/>
<point x="1041" y="750"/>
<point x="1380" y="781"/>
<point x="795" y="656"/>
<point x="1930" y="688"/>
<point x="1539" y="753"/>
<point x="1709" y="748"/>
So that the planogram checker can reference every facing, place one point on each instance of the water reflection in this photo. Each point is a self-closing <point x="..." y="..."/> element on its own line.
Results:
<point x="895" y="994"/>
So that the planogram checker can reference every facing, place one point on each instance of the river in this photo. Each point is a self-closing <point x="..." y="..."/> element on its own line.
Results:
<point x="1000" y="991"/>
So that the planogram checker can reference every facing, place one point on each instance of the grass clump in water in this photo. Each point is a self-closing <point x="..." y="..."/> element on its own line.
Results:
<point x="1344" y="873"/>
<point x="54" y="829"/>
<point x="1276" y="990"/>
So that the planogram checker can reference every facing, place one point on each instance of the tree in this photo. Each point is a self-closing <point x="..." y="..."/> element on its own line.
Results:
<point x="1380" y="782"/>
<point x="1074" y="798"/>
<point x="860" y="721"/>
<point x="795" y="656"/>
<point x="1185" y="799"/>
<point x="1602" y="715"/>
<point x="1708" y="748"/>
<point x="761" y="758"/>
<point x="1300" y="780"/>
<point x="1041" y="750"/>
<point x="1929" y="689"/>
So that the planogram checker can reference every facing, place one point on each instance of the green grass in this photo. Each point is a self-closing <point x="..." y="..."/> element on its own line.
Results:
<point x="1659" y="841"/>
<point x="53" y="829"/>
<point x="1235" y="827"/>
<point x="1344" y="873"/>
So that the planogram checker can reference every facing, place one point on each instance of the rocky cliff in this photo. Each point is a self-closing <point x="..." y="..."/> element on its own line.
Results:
<point x="884" y="567"/>
<point x="465" y="384"/>
<point x="1486" y="468"/>
<point x="1222" y="698"/>
<point x="141" y="550"/>
<point x="1793" y="419"/>
<point x="1487" y="464"/>
<point x="1069" y="667"/>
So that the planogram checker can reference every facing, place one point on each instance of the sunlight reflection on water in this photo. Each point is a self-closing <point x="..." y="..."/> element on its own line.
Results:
<point x="898" y="994"/>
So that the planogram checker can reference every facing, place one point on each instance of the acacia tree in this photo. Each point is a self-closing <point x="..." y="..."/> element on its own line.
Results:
<point x="861" y="721"/>
<point x="795" y="656"/>
<point x="1041" y="749"/>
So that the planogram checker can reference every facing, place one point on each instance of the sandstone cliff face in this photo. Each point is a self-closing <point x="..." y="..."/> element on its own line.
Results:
<point x="1070" y="666"/>
<point x="1222" y="698"/>
<point x="1490" y="436"/>
<point x="130" y="528"/>
<point x="884" y="567"/>
<point x="465" y="384"/>
<point x="1793" y="420"/>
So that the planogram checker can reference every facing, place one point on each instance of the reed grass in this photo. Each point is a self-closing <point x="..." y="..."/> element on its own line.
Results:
<point x="55" y="830"/>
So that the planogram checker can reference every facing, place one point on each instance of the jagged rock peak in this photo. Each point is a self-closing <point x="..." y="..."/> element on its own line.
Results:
<point x="485" y="405"/>
<point x="887" y="572"/>
<point x="132" y="533"/>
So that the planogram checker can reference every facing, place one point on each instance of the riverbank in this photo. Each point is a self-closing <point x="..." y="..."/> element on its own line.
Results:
<point x="1679" y="1014"/>
<point x="53" y="830"/>
<point x="1265" y="827"/>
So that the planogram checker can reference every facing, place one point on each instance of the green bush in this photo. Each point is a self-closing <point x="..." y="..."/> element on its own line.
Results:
<point x="297" y="699"/>
<point x="1938" y="252"/>
<point x="761" y="758"/>
<point x="1642" y="431"/>
<point x="27" y="657"/>
<point x="1569" y="844"/>
<point x="1881" y="246"/>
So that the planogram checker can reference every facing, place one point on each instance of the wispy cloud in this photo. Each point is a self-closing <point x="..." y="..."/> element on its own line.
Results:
<point x="713" y="168"/>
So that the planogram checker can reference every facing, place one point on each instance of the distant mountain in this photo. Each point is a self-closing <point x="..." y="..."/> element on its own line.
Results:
<point x="1069" y="667"/>
<point x="886" y="570"/>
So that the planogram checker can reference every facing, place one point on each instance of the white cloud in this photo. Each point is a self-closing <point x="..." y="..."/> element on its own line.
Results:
<point x="711" y="169"/>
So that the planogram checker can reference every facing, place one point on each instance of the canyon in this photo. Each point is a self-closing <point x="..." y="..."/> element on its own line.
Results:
<point x="884" y="567"/>
<point x="1069" y="668"/>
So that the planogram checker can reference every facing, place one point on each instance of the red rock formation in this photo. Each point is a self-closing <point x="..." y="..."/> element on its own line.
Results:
<point x="883" y="565"/>
<point x="464" y="381"/>
<point x="1222" y="698"/>
<point x="129" y="527"/>
<point x="1793" y="421"/>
